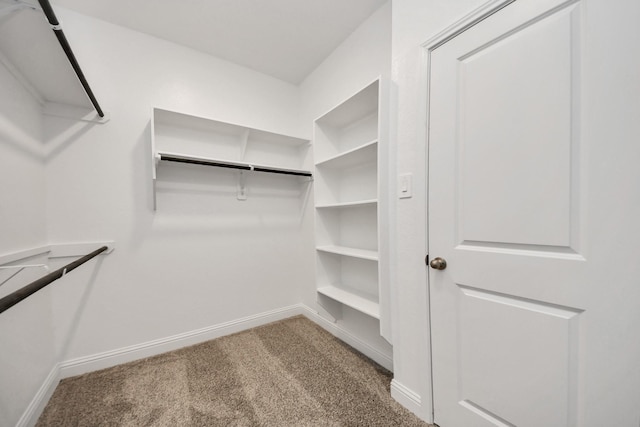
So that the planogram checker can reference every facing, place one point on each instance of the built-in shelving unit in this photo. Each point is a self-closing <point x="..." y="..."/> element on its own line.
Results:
<point x="349" y="149"/>
<point x="184" y="138"/>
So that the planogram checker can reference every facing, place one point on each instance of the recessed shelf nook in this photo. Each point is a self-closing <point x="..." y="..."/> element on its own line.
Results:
<point x="350" y="148"/>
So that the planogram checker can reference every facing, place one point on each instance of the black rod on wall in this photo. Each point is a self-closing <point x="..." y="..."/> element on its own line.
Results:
<point x="55" y="25"/>
<point x="231" y="165"/>
<point x="33" y="287"/>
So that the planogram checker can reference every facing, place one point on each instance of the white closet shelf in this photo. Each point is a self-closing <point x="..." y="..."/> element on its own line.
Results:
<point x="351" y="299"/>
<point x="43" y="62"/>
<point x="185" y="138"/>
<point x="192" y="122"/>
<point x="365" y="153"/>
<point x="356" y="107"/>
<point x="355" y="203"/>
<point x="351" y="252"/>
<point x="209" y="161"/>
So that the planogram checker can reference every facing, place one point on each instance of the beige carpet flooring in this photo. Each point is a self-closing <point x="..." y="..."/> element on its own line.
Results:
<point x="288" y="373"/>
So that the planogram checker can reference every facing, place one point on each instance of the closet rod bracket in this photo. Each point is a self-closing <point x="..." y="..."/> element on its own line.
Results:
<point x="242" y="186"/>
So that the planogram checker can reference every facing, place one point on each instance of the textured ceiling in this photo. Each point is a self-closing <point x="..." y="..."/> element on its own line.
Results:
<point x="286" y="39"/>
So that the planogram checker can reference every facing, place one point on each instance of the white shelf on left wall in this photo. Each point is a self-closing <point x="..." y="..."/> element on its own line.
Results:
<point x="185" y="138"/>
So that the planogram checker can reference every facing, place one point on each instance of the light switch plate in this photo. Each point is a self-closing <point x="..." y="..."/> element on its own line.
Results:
<point x="405" y="186"/>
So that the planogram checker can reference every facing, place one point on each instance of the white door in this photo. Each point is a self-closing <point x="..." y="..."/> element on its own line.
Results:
<point x="534" y="203"/>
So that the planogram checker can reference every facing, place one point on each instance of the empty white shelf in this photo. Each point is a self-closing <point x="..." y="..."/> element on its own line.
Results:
<point x="352" y="252"/>
<point x="352" y="110"/>
<point x="347" y="204"/>
<point x="216" y="129"/>
<point x="352" y="300"/>
<point x="363" y="154"/>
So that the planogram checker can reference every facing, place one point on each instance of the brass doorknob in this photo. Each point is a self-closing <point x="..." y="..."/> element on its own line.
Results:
<point x="438" y="263"/>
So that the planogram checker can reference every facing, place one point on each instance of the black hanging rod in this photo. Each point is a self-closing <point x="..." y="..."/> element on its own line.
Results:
<point x="55" y="25"/>
<point x="230" y="165"/>
<point x="33" y="287"/>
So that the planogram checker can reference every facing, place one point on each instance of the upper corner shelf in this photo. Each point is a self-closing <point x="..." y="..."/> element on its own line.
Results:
<point x="356" y="108"/>
<point x="191" y="139"/>
<point x="163" y="118"/>
<point x="29" y="50"/>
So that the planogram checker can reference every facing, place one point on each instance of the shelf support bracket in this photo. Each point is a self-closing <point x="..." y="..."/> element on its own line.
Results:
<point x="242" y="187"/>
<point x="243" y="143"/>
<point x="20" y="268"/>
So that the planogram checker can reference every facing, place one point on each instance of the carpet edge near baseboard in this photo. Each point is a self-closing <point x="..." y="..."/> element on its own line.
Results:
<point x="107" y="359"/>
<point x="98" y="361"/>
<point x="346" y="336"/>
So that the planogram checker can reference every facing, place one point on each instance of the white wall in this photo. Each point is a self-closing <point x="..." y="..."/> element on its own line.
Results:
<point x="172" y="273"/>
<point x="203" y="257"/>
<point x="414" y="22"/>
<point x="359" y="59"/>
<point x="22" y="185"/>
<point x="362" y="57"/>
<point x="168" y="275"/>
<point x="27" y="353"/>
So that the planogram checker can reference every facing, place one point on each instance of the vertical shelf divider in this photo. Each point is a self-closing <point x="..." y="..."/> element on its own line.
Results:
<point x="244" y="139"/>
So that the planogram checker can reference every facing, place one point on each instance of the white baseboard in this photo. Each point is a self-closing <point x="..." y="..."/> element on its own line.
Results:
<point x="406" y="397"/>
<point x="39" y="401"/>
<point x="70" y="368"/>
<point x="111" y="358"/>
<point x="95" y="362"/>
<point x="346" y="336"/>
